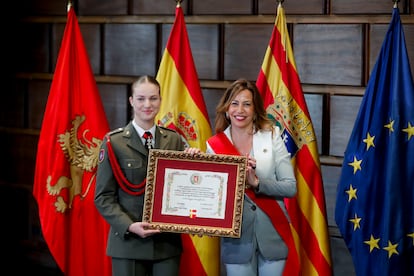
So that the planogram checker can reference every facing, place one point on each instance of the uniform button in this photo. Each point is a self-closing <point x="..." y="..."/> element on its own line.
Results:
<point x="253" y="207"/>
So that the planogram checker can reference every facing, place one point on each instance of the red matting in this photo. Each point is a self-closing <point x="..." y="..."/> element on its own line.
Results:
<point x="230" y="169"/>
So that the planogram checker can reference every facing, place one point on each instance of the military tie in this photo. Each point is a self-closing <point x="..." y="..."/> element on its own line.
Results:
<point x="148" y="139"/>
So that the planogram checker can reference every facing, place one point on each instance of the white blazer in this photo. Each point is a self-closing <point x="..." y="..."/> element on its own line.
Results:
<point x="277" y="179"/>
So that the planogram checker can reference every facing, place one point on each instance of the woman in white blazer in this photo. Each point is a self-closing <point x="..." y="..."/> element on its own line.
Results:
<point x="242" y="127"/>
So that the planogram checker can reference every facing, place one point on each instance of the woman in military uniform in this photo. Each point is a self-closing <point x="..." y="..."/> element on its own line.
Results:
<point x="119" y="196"/>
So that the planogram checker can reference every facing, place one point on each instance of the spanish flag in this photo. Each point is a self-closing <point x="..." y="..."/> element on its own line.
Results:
<point x="183" y="109"/>
<point x="74" y="124"/>
<point x="280" y="87"/>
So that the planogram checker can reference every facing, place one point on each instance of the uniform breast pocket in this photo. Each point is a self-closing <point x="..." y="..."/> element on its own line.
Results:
<point x="134" y="169"/>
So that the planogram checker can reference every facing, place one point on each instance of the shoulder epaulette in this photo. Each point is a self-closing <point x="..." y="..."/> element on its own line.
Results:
<point x="166" y="128"/>
<point x="118" y="130"/>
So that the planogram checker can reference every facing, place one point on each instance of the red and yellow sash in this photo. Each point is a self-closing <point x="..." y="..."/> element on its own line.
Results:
<point x="222" y="145"/>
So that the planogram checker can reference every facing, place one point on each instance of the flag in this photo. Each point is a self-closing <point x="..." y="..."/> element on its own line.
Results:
<point x="183" y="109"/>
<point x="74" y="124"/>
<point x="375" y="197"/>
<point x="280" y="87"/>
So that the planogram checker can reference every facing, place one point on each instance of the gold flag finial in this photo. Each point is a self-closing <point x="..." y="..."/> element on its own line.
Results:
<point x="280" y="2"/>
<point x="69" y="6"/>
<point x="178" y="3"/>
<point x="395" y="3"/>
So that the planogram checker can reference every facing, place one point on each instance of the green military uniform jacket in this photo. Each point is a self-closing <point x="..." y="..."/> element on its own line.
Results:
<point x="119" y="208"/>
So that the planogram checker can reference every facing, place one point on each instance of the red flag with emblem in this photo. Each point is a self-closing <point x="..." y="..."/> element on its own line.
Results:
<point x="183" y="109"/>
<point x="74" y="124"/>
<point x="279" y="84"/>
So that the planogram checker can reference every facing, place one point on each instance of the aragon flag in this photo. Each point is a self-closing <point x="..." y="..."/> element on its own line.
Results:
<point x="280" y="87"/>
<point x="183" y="109"/>
<point x="375" y="197"/>
<point x="73" y="126"/>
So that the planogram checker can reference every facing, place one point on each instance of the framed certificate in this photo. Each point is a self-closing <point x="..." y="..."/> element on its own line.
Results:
<point x="199" y="194"/>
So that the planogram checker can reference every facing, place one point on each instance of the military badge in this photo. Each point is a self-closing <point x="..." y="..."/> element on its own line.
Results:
<point x="101" y="155"/>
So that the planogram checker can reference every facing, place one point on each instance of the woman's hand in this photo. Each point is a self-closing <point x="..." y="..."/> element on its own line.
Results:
<point x="251" y="162"/>
<point x="142" y="229"/>
<point x="252" y="179"/>
<point x="192" y="150"/>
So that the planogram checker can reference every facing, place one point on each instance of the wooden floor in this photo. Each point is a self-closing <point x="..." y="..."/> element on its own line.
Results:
<point x="42" y="264"/>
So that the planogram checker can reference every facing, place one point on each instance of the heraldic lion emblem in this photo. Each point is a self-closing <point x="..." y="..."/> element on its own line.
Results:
<point x="82" y="155"/>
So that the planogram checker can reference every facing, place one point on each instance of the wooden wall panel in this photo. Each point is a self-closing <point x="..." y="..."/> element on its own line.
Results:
<point x="57" y="35"/>
<point x="329" y="54"/>
<point x="91" y="38"/>
<point x="204" y="40"/>
<point x="204" y="43"/>
<point x="211" y="98"/>
<point x="377" y="35"/>
<point x="293" y="7"/>
<point x="409" y="40"/>
<point x="240" y="59"/>
<point x="315" y="107"/>
<point x="38" y="93"/>
<point x="32" y="48"/>
<point x="115" y="100"/>
<point x="342" y="122"/>
<point x="42" y="7"/>
<point x="102" y="7"/>
<point x="223" y="7"/>
<point x="330" y="175"/>
<point x="159" y="7"/>
<point x="14" y="207"/>
<point x="12" y="106"/>
<point x="130" y="49"/>
<point x="363" y="7"/>
<point x="341" y="258"/>
<point x="18" y="158"/>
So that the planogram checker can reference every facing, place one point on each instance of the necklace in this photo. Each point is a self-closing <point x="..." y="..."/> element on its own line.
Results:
<point x="243" y="142"/>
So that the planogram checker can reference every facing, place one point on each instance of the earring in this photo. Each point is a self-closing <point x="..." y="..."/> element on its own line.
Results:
<point x="227" y="115"/>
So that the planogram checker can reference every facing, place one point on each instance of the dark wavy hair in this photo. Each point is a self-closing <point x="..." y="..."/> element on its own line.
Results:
<point x="261" y="121"/>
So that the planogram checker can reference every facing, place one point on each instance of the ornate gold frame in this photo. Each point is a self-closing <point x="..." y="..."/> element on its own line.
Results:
<point x="232" y="165"/>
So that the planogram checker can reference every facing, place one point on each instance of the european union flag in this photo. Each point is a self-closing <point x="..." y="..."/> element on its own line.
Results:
<point x="375" y="200"/>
